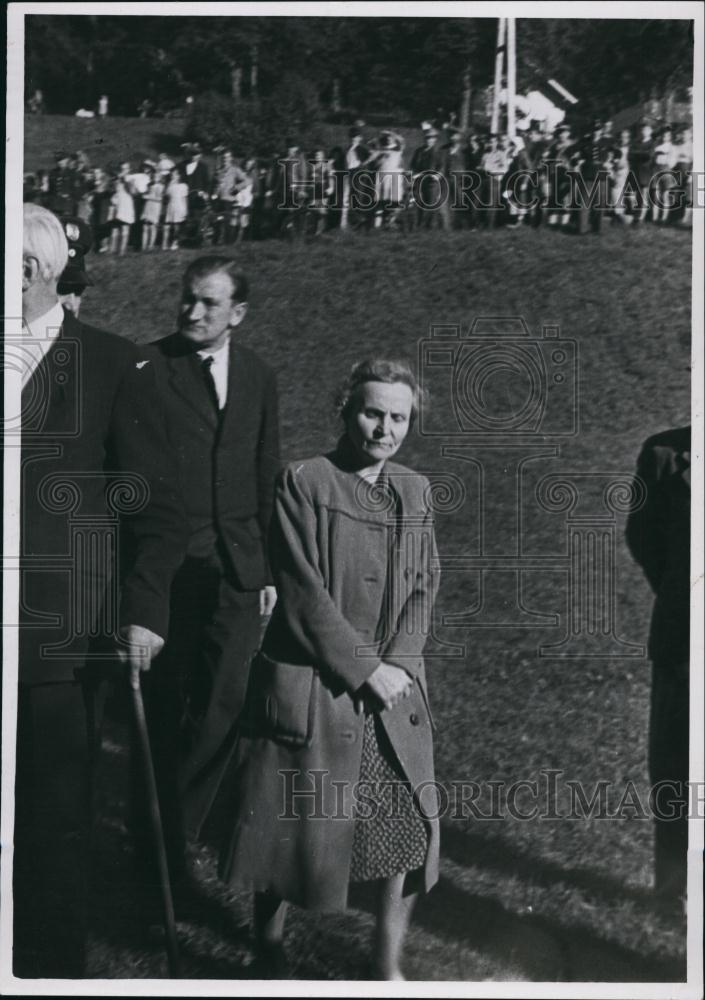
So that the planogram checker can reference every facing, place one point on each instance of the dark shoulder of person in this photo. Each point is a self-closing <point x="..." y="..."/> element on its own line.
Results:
<point x="677" y="440"/>
<point x="97" y="344"/>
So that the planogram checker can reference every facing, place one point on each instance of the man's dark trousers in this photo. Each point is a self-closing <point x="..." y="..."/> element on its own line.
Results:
<point x="195" y="693"/>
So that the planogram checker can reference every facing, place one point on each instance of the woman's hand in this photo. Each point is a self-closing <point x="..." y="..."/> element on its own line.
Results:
<point x="390" y="684"/>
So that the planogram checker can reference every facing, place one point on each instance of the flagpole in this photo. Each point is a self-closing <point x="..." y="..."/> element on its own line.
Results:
<point x="498" y="69"/>
<point x="511" y="75"/>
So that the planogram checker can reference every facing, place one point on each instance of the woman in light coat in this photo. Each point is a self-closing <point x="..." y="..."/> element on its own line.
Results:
<point x="337" y="705"/>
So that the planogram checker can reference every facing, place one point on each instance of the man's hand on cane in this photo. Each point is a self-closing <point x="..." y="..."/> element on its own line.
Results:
<point x="267" y="600"/>
<point x="137" y="649"/>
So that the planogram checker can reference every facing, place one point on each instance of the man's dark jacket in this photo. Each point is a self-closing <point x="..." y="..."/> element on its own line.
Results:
<point x="199" y="179"/>
<point x="658" y="535"/>
<point x="227" y="464"/>
<point x="98" y="484"/>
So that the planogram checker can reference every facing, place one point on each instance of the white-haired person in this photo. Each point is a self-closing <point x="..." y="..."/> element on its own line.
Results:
<point x="87" y="418"/>
<point x="336" y="715"/>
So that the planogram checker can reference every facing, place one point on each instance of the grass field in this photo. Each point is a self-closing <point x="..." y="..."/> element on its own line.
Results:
<point x="542" y="900"/>
<point x="108" y="142"/>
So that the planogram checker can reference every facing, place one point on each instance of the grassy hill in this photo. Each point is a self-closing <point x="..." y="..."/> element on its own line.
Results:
<point x="106" y="141"/>
<point x="109" y="141"/>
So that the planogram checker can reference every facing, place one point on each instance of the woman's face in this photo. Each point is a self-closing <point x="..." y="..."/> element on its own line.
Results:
<point x="379" y="420"/>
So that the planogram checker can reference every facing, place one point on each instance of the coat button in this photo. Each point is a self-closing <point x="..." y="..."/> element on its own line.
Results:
<point x="414" y="719"/>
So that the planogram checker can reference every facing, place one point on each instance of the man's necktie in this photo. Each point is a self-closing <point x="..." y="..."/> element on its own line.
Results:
<point x="206" y="366"/>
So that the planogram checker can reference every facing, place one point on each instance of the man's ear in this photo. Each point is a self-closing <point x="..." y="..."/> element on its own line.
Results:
<point x="238" y="313"/>
<point x="30" y="272"/>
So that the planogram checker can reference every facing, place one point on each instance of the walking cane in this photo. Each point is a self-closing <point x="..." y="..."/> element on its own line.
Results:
<point x="156" y="824"/>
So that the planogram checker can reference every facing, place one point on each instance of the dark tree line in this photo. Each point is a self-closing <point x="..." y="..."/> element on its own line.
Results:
<point x="407" y="66"/>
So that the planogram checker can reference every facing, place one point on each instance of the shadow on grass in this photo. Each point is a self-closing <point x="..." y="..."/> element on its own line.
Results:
<point x="465" y="847"/>
<point x="536" y="947"/>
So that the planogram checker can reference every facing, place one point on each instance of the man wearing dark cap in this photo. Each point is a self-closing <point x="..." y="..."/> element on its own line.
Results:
<point x="74" y="279"/>
<point x="62" y="185"/>
<point x="429" y="184"/>
<point x="195" y="174"/>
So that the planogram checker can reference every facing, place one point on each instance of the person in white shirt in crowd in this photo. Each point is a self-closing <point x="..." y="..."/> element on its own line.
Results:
<point x="122" y="215"/>
<point x="683" y="155"/>
<point x="391" y="186"/>
<point x="357" y="156"/>
<point x="230" y="186"/>
<point x="244" y="197"/>
<point x="664" y="181"/>
<point x="176" y="210"/>
<point x="152" y="210"/>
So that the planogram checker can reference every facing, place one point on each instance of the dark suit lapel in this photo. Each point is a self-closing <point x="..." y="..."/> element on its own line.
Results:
<point x="186" y="380"/>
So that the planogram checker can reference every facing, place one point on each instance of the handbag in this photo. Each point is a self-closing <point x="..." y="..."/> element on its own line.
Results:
<point x="280" y="701"/>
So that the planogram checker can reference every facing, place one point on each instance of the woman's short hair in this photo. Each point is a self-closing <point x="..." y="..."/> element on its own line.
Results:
<point x="379" y="370"/>
<point x="43" y="238"/>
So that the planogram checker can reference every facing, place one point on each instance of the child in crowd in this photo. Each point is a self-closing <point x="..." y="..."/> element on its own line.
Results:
<point x="152" y="210"/>
<point x="122" y="215"/>
<point x="176" y="210"/>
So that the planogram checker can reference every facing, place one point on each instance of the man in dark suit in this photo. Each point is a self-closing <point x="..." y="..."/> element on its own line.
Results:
<point x="195" y="174"/>
<point x="658" y="535"/>
<point x="97" y="483"/>
<point x="429" y="167"/>
<point x="220" y="401"/>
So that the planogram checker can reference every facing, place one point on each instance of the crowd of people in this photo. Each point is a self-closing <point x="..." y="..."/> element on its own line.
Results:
<point x="453" y="180"/>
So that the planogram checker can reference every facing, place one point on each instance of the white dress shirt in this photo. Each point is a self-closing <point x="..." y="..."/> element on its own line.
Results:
<point x="219" y="370"/>
<point x="38" y="339"/>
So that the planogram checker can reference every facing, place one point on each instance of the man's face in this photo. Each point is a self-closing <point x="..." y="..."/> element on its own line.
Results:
<point x="207" y="312"/>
